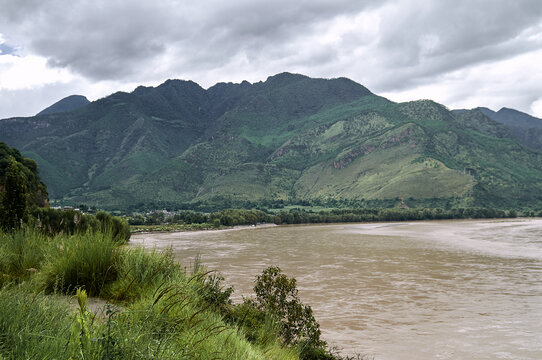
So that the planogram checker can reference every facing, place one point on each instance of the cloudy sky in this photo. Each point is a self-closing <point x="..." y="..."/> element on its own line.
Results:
<point x="462" y="53"/>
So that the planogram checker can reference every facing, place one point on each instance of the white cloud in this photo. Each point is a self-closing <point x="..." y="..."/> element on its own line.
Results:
<point x="29" y="72"/>
<point x="515" y="83"/>
<point x="536" y="108"/>
<point x="28" y="85"/>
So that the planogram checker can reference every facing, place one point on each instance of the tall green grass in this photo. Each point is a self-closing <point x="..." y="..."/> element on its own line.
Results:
<point x="32" y="326"/>
<point x="139" y="272"/>
<point x="177" y="308"/>
<point x="21" y="254"/>
<point x="164" y="312"/>
<point x="81" y="261"/>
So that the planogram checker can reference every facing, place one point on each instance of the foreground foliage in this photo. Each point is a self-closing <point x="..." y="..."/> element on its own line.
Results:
<point x="278" y="295"/>
<point x="277" y="300"/>
<point x="162" y="311"/>
<point x="14" y="201"/>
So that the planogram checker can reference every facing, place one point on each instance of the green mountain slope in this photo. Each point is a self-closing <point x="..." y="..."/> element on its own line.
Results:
<point x="69" y="103"/>
<point x="526" y="128"/>
<point x="291" y="138"/>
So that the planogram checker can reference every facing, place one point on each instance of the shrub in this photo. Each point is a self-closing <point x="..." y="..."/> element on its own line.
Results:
<point x="119" y="228"/>
<point x="277" y="312"/>
<point x="277" y="294"/>
<point x="81" y="261"/>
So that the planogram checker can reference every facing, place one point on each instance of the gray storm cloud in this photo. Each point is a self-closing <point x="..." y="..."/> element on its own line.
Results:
<point x="107" y="40"/>
<point x="387" y="45"/>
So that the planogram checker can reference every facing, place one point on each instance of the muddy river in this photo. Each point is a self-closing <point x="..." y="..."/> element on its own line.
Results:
<point x="469" y="289"/>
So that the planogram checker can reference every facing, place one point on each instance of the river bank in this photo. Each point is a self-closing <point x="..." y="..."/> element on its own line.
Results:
<point x="174" y="228"/>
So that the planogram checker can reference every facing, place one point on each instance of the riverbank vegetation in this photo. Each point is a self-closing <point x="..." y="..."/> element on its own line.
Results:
<point x="186" y="220"/>
<point x="392" y="214"/>
<point x="160" y="311"/>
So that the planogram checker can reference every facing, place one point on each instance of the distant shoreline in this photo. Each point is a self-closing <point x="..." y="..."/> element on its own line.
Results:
<point x="264" y="225"/>
<point x="195" y="231"/>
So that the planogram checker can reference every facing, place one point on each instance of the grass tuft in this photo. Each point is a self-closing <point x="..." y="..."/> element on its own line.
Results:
<point x="139" y="271"/>
<point x="21" y="254"/>
<point x="32" y="326"/>
<point x="81" y="261"/>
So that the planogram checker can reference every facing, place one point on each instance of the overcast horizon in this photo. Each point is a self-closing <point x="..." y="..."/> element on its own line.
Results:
<point x="463" y="54"/>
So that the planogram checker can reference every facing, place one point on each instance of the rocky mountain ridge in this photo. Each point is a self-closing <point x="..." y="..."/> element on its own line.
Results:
<point x="289" y="139"/>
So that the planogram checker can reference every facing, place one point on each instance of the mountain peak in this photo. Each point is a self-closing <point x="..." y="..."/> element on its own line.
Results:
<point x="284" y="77"/>
<point x="505" y="110"/>
<point x="179" y="83"/>
<point x="513" y="117"/>
<point x="70" y="103"/>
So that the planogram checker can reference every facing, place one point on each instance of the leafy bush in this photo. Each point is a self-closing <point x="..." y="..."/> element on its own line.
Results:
<point x="277" y="312"/>
<point x="277" y="294"/>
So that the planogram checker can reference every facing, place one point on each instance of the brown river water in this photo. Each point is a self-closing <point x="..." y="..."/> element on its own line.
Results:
<point x="469" y="289"/>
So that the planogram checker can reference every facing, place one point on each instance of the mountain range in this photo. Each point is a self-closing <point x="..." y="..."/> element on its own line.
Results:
<point x="290" y="139"/>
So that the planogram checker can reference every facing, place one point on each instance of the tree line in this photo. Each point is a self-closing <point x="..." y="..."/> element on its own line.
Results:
<point x="228" y="217"/>
<point x="233" y="217"/>
<point x="297" y="216"/>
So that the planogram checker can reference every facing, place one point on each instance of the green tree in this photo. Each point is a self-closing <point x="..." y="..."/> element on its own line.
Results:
<point x="277" y="294"/>
<point x="14" y="203"/>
